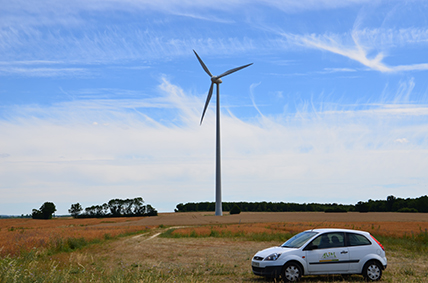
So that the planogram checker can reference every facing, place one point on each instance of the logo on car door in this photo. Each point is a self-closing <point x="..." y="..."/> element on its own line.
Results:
<point x="328" y="256"/>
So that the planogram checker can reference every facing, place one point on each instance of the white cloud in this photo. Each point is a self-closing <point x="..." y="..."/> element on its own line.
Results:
<point x="353" y="49"/>
<point x="94" y="150"/>
<point x="402" y="140"/>
<point x="290" y="6"/>
<point x="390" y="38"/>
<point x="49" y="11"/>
<point x="83" y="32"/>
<point x="63" y="32"/>
<point x="110" y="45"/>
<point x="44" y="72"/>
<point x="336" y="70"/>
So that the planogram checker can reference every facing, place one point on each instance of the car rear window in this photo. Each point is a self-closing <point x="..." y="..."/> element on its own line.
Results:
<point x="357" y="240"/>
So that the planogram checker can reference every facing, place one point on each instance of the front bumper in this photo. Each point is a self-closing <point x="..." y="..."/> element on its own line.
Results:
<point x="268" y="271"/>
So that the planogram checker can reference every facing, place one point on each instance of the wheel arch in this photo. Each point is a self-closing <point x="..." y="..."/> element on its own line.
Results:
<point x="372" y="275"/>
<point x="296" y="262"/>
<point x="379" y="262"/>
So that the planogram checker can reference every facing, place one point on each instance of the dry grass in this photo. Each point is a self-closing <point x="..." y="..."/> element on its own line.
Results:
<point x="141" y="258"/>
<point x="204" y="259"/>
<point x="394" y="229"/>
<point x="202" y="218"/>
<point x="21" y="235"/>
<point x="207" y="260"/>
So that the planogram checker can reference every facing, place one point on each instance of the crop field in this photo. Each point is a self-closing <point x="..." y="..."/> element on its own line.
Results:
<point x="191" y="247"/>
<point x="18" y="235"/>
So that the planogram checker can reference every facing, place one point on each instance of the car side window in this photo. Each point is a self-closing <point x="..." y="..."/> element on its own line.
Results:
<point x="357" y="240"/>
<point x="329" y="240"/>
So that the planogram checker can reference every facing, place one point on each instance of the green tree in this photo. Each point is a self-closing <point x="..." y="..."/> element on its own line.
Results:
<point x="235" y="209"/>
<point x="390" y="202"/>
<point x="45" y="211"/>
<point x="36" y="214"/>
<point x="116" y="207"/>
<point x="120" y="208"/>
<point x="75" y="210"/>
<point x="362" y="207"/>
<point x="151" y="211"/>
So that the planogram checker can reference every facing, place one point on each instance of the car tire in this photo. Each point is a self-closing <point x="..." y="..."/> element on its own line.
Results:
<point x="291" y="272"/>
<point x="372" y="271"/>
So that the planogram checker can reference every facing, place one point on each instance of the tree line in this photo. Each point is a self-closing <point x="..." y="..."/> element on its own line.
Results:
<point x="264" y="206"/>
<point x="136" y="207"/>
<point x="394" y="204"/>
<point x="391" y="204"/>
<point x="114" y="208"/>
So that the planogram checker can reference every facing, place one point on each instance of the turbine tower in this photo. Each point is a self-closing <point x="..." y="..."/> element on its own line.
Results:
<point x="216" y="80"/>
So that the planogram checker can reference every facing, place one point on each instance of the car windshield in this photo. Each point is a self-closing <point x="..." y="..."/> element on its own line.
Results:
<point x="298" y="240"/>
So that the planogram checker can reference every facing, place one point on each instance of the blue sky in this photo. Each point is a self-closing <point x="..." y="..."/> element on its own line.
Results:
<point x="102" y="100"/>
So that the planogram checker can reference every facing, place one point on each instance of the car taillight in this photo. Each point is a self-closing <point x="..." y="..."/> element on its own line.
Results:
<point x="378" y="243"/>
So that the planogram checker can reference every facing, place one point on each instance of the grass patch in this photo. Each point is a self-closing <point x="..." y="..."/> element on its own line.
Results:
<point x="412" y="243"/>
<point x="67" y="245"/>
<point x="168" y="234"/>
<point x="59" y="245"/>
<point x="223" y="232"/>
<point x="18" y="270"/>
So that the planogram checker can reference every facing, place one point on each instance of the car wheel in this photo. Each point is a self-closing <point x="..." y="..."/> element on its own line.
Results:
<point x="372" y="271"/>
<point x="291" y="272"/>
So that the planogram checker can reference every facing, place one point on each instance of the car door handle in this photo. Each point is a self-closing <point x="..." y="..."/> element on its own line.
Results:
<point x="344" y="252"/>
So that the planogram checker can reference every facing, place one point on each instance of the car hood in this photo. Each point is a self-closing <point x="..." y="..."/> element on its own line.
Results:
<point x="279" y="250"/>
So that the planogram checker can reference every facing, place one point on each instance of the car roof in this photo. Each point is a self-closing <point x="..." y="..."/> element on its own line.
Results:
<point x="323" y="230"/>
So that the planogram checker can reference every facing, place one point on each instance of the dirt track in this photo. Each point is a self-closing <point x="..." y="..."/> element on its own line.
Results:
<point x="203" y="218"/>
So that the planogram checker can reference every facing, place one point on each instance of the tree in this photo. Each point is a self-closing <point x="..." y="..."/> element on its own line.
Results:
<point x="36" y="214"/>
<point x="235" y="209"/>
<point x="45" y="211"/>
<point x="75" y="210"/>
<point x="138" y="206"/>
<point x="390" y="200"/>
<point x="119" y="208"/>
<point x="151" y="211"/>
<point x="116" y="207"/>
<point x="362" y="207"/>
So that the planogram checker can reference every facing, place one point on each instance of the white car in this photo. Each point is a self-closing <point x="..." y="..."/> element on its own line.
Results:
<point x="323" y="251"/>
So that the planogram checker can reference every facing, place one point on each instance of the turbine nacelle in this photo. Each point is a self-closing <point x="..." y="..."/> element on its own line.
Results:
<point x="216" y="80"/>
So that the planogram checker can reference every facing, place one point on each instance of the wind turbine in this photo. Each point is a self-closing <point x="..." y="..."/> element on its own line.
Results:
<point x="216" y="80"/>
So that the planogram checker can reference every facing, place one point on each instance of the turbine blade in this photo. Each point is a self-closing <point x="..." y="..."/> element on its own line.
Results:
<point x="233" y="70"/>
<point x="210" y="93"/>
<point x="203" y="65"/>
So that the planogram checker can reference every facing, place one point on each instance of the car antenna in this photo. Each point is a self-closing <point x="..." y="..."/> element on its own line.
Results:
<point x="318" y="225"/>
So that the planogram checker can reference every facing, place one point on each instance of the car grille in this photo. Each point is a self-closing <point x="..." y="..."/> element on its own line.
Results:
<point x="257" y="258"/>
<point x="258" y="269"/>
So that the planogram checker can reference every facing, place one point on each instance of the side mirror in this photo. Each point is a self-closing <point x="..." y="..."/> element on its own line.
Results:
<point x="310" y="247"/>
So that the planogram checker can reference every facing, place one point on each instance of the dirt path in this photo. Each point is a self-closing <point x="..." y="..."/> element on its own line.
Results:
<point x="147" y="236"/>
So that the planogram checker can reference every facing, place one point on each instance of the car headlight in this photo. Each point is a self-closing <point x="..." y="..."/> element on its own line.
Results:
<point x="274" y="256"/>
